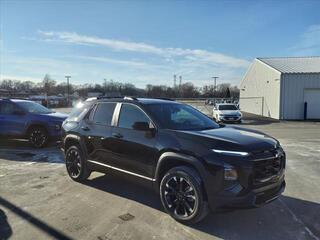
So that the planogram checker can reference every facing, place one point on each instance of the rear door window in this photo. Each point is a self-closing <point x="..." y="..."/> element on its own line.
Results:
<point x="7" y="108"/>
<point x="103" y="113"/>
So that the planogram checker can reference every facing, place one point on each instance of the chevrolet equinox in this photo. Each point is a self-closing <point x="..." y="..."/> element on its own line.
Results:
<point x="193" y="163"/>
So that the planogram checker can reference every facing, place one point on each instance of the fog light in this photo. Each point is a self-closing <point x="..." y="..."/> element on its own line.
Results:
<point x="57" y="127"/>
<point x="230" y="174"/>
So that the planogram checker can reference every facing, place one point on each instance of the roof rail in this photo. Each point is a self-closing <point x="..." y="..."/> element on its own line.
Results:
<point x="130" y="98"/>
<point x="168" y="99"/>
<point x="124" y="98"/>
<point x="106" y="97"/>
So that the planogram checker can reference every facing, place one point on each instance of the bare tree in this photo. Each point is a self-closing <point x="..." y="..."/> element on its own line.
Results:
<point x="48" y="84"/>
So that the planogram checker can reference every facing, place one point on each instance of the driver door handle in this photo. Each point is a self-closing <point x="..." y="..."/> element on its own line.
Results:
<point x="117" y="135"/>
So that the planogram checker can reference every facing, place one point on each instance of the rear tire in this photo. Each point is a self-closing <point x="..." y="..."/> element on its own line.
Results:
<point x="182" y="195"/>
<point x="76" y="164"/>
<point x="38" y="137"/>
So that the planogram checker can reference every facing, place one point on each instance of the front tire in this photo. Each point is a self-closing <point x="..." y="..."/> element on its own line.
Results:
<point x="76" y="164"/>
<point x="182" y="195"/>
<point x="38" y="137"/>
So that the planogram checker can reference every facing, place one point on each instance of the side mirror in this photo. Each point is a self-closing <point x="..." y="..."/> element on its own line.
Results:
<point x="141" y="126"/>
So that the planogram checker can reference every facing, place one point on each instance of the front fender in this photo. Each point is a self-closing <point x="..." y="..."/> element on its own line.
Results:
<point x="210" y="173"/>
<point x="168" y="157"/>
<point x="75" y="139"/>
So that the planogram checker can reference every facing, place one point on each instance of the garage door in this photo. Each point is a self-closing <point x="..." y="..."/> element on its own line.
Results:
<point x="312" y="97"/>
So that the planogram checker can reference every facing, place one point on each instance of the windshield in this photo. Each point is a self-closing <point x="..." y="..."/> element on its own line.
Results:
<point x="33" y="107"/>
<point x="228" y="107"/>
<point x="180" y="117"/>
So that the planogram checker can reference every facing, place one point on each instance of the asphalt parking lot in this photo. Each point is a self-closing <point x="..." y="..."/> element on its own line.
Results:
<point x="39" y="201"/>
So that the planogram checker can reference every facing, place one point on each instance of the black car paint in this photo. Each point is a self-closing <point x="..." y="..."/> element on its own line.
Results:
<point x="145" y="153"/>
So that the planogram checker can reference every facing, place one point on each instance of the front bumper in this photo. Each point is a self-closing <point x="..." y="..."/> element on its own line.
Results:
<point x="230" y="118"/>
<point x="256" y="197"/>
<point x="55" y="132"/>
<point x="253" y="198"/>
<point x="252" y="188"/>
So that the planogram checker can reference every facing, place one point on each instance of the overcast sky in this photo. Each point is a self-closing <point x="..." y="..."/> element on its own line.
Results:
<point x="147" y="42"/>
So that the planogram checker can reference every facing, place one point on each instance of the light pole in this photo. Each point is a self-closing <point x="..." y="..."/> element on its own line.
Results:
<point x="105" y="86"/>
<point x="215" y="85"/>
<point x="68" y="89"/>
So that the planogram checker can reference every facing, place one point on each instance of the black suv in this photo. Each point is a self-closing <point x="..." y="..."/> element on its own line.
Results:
<point x="193" y="162"/>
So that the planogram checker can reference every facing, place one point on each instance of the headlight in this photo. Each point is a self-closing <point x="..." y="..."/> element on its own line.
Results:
<point x="230" y="174"/>
<point x="231" y="153"/>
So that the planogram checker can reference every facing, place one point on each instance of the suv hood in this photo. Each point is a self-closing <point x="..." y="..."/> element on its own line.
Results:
<point x="235" y="139"/>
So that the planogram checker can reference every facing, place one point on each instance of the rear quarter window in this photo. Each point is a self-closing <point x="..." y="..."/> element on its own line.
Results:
<point x="78" y="111"/>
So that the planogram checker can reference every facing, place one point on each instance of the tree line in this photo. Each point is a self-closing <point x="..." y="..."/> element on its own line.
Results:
<point x="186" y="90"/>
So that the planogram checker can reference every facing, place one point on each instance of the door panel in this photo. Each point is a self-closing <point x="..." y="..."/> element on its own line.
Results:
<point x="11" y="123"/>
<point x="96" y="138"/>
<point x="133" y="150"/>
<point x="97" y="132"/>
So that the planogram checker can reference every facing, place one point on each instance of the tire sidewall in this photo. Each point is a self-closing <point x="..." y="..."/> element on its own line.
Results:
<point x="84" y="172"/>
<point x="191" y="176"/>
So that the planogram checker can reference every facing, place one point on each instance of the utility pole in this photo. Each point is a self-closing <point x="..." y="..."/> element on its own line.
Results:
<point x="105" y="86"/>
<point x="180" y="81"/>
<point x="68" y="90"/>
<point x="174" y="81"/>
<point x="215" y="85"/>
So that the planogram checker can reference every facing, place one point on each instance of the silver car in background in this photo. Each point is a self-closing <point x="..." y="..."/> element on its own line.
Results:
<point x="227" y="112"/>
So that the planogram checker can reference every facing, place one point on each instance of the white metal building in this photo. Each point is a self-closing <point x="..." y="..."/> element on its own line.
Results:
<point x="279" y="87"/>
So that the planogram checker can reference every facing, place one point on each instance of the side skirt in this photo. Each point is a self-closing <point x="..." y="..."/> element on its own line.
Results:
<point x="122" y="170"/>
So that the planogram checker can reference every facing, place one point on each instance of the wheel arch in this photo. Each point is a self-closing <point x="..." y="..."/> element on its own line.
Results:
<point x="170" y="160"/>
<point x="36" y="124"/>
<point x="70" y="140"/>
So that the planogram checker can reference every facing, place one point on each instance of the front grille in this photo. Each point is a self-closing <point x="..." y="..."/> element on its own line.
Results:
<point x="231" y="117"/>
<point x="266" y="169"/>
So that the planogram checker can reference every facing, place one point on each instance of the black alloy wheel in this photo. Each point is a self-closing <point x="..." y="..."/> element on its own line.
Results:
<point x="75" y="164"/>
<point x="38" y="137"/>
<point x="182" y="195"/>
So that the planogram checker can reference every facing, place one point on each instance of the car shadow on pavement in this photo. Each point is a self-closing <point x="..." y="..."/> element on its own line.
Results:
<point x="284" y="218"/>
<point x="5" y="228"/>
<point x="252" y="119"/>
<point x="280" y="219"/>
<point x="127" y="187"/>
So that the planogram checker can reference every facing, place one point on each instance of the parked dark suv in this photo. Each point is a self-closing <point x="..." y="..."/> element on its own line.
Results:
<point x="194" y="163"/>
